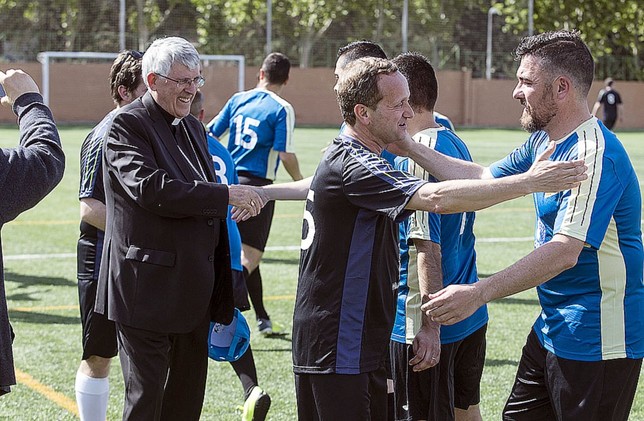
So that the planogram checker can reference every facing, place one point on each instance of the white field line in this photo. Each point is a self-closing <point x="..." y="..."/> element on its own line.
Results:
<point x="270" y="248"/>
<point x="44" y="256"/>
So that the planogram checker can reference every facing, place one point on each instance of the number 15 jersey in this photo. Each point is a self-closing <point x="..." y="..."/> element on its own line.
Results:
<point x="261" y="126"/>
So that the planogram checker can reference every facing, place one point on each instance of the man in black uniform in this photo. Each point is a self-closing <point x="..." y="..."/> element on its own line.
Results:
<point x="611" y="101"/>
<point x="346" y="293"/>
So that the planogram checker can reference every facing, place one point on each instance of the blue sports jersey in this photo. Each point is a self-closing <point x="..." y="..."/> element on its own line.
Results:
<point x="454" y="233"/>
<point x="345" y="302"/>
<point x="260" y="125"/>
<point x="443" y="120"/>
<point x="594" y="310"/>
<point x="226" y="174"/>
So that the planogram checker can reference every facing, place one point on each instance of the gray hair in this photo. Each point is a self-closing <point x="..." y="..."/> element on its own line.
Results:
<point x="163" y="52"/>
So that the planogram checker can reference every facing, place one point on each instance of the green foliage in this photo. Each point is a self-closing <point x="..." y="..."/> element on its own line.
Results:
<point x="451" y="33"/>
<point x="610" y="28"/>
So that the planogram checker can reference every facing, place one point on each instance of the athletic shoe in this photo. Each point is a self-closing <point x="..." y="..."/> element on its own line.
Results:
<point x="257" y="405"/>
<point x="265" y="326"/>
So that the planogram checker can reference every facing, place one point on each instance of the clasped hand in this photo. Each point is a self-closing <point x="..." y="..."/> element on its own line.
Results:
<point x="247" y="201"/>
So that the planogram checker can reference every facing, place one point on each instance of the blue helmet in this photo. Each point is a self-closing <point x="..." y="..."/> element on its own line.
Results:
<point x="229" y="342"/>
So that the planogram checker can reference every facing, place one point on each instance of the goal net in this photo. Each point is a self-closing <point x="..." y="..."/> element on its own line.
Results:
<point x="221" y="67"/>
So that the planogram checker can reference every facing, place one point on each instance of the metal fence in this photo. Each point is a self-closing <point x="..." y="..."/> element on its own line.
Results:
<point x="453" y="38"/>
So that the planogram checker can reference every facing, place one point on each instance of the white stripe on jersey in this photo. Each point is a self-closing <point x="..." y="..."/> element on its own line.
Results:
<point x="590" y="148"/>
<point x="612" y="280"/>
<point x="290" y="120"/>
<point x="272" y="164"/>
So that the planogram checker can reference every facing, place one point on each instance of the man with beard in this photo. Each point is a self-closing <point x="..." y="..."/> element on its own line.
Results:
<point x="583" y="356"/>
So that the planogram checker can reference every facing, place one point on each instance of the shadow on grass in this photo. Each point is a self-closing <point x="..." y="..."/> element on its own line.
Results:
<point x="283" y="261"/>
<point x="492" y="362"/>
<point x="42" y="318"/>
<point x="25" y="281"/>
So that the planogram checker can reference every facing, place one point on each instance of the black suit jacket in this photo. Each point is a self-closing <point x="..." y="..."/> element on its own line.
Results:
<point x="166" y="257"/>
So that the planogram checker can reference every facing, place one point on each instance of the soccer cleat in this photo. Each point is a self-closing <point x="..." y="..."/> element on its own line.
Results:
<point x="265" y="326"/>
<point x="257" y="405"/>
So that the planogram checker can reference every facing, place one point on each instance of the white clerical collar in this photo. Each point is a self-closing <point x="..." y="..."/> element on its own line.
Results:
<point x="176" y="121"/>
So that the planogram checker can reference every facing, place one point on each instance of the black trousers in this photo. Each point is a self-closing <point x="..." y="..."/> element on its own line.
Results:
<point x="164" y="374"/>
<point x="548" y="387"/>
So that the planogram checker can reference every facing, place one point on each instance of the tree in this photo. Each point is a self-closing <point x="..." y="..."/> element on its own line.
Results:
<point x="610" y="28"/>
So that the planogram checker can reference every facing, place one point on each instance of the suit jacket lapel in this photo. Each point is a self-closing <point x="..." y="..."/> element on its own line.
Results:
<point x="166" y="137"/>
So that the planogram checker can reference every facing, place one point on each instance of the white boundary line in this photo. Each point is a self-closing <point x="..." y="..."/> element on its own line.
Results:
<point x="270" y="248"/>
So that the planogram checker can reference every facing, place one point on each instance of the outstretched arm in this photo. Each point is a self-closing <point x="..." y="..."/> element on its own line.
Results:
<point x="469" y="195"/>
<point x="295" y="190"/>
<point x="457" y="302"/>
<point x="31" y="170"/>
<point x="441" y="166"/>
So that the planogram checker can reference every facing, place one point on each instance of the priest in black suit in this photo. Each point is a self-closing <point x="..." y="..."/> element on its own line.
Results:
<point x="165" y="272"/>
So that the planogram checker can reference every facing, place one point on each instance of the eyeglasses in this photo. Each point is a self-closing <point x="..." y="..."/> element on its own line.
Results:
<point x="184" y="83"/>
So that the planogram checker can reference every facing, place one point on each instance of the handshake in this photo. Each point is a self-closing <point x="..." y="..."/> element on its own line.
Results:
<point x="247" y="201"/>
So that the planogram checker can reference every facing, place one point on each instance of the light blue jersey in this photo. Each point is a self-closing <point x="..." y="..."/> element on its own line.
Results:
<point x="226" y="174"/>
<point x="454" y="233"/>
<point x="443" y="120"/>
<point x="594" y="310"/>
<point x="260" y="125"/>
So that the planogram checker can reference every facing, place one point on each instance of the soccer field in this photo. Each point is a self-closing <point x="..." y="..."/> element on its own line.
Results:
<point x="40" y="269"/>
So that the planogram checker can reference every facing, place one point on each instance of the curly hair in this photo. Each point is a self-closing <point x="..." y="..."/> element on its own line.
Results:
<point x="125" y="71"/>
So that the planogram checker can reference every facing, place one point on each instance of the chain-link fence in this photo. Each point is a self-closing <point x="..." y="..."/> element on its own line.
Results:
<point x="452" y="34"/>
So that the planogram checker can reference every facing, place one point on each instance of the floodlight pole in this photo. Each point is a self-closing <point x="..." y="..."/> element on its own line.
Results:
<point x="403" y="30"/>
<point x="269" y="26"/>
<point x="488" y="56"/>
<point x="530" y="17"/>
<point x="121" y="25"/>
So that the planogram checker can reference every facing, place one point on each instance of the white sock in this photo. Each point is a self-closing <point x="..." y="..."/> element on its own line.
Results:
<point x="92" y="395"/>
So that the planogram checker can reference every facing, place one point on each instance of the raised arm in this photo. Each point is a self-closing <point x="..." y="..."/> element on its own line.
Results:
<point x="441" y="166"/>
<point x="470" y="195"/>
<point x="30" y="171"/>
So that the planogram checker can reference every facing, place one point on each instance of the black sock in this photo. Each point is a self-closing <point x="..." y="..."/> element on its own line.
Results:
<point x="245" y="370"/>
<point x="254" y="284"/>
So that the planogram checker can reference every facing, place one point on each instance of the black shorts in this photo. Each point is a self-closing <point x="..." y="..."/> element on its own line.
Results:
<point x="99" y="333"/>
<point x="240" y="291"/>
<point x="434" y="393"/>
<point x="342" y="396"/>
<point x="254" y="231"/>
<point x="548" y="387"/>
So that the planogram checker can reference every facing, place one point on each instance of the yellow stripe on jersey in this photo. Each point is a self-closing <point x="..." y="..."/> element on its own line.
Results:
<point x="590" y="147"/>
<point x="612" y="280"/>
<point x="419" y="220"/>
<point x="413" y="313"/>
